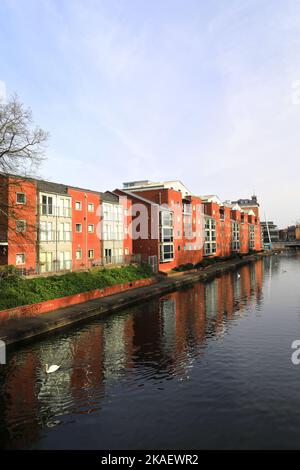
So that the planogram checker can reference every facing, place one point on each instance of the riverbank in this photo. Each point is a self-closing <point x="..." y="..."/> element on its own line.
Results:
<point x="16" y="330"/>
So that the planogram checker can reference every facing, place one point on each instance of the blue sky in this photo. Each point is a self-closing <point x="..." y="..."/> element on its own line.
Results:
<point x="204" y="92"/>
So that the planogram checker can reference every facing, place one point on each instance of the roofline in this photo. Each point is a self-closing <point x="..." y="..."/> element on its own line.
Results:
<point x="40" y="180"/>
<point x="141" y="198"/>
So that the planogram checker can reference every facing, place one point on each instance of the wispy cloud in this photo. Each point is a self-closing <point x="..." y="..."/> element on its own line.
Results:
<point x="202" y="91"/>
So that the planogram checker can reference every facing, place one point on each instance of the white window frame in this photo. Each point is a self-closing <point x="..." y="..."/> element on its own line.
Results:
<point x="25" y="226"/>
<point x="20" y="203"/>
<point x="24" y="259"/>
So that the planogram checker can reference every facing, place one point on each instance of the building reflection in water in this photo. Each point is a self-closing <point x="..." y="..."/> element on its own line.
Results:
<point x="158" y="339"/>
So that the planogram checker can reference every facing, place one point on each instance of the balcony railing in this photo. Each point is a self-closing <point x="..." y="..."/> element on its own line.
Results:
<point x="112" y="260"/>
<point x="55" y="211"/>
<point x="64" y="236"/>
<point x="52" y="236"/>
<point x="54" y="267"/>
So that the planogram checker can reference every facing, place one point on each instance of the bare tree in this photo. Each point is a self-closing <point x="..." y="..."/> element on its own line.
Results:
<point x="22" y="145"/>
<point x="22" y="149"/>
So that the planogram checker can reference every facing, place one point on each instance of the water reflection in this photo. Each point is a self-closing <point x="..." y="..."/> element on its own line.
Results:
<point x="155" y="342"/>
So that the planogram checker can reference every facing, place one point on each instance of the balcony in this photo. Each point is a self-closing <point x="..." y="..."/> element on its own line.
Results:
<point x="64" y="236"/>
<point x="187" y="209"/>
<point x="54" y="211"/>
<point x="52" y="236"/>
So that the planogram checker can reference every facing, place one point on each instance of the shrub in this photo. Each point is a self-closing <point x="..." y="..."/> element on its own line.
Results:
<point x="16" y="291"/>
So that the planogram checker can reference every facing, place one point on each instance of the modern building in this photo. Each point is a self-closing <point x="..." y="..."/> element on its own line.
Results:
<point x="48" y="227"/>
<point x="167" y="222"/>
<point x="54" y="234"/>
<point x="18" y="222"/>
<point x="269" y="233"/>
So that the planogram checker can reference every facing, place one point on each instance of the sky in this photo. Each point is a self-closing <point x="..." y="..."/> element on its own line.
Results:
<point x="204" y="92"/>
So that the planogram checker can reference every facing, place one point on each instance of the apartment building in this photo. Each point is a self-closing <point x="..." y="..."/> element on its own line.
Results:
<point x="229" y="228"/>
<point x="54" y="240"/>
<point x="86" y="245"/>
<point x="18" y="221"/>
<point x="112" y="229"/>
<point x="49" y="227"/>
<point x="171" y="229"/>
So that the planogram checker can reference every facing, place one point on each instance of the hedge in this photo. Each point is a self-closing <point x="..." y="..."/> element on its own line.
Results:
<point x="16" y="291"/>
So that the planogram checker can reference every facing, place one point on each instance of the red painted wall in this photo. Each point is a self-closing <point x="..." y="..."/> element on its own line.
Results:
<point x="19" y="243"/>
<point x="85" y="240"/>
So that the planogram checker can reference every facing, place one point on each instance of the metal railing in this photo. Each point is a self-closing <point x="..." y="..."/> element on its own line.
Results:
<point x="53" y="236"/>
<point x="53" y="267"/>
<point x="51" y="210"/>
<point x="116" y="260"/>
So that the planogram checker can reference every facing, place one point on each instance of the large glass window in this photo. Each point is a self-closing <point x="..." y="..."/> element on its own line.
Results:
<point x="235" y="234"/>
<point x="47" y="205"/>
<point x="210" y="247"/>
<point x="166" y="252"/>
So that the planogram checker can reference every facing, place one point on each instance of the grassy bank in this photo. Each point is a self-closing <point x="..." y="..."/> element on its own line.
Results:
<point x="16" y="291"/>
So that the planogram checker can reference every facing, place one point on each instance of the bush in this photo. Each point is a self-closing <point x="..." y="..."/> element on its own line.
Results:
<point x="8" y="271"/>
<point x="16" y="290"/>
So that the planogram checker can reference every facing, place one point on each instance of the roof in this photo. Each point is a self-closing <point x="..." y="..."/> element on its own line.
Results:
<point x="148" y="201"/>
<point x="146" y="185"/>
<point x="211" y="198"/>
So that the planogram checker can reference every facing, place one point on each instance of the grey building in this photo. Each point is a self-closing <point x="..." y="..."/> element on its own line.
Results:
<point x="269" y="228"/>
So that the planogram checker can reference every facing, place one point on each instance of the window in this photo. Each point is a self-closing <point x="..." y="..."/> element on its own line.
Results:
<point x="91" y="228"/>
<point x="78" y="228"/>
<point x="251" y="237"/>
<point x="167" y="235"/>
<point x="47" y="205"/>
<point x="20" y="259"/>
<point x="21" y="226"/>
<point x="166" y="218"/>
<point x="78" y="254"/>
<point x="64" y="234"/>
<point x="91" y="254"/>
<point x="166" y="252"/>
<point x="235" y="234"/>
<point x="65" y="261"/>
<point x="78" y="205"/>
<point x="210" y="247"/>
<point x="46" y="233"/>
<point x="64" y="207"/>
<point x="21" y="198"/>
<point x="90" y="207"/>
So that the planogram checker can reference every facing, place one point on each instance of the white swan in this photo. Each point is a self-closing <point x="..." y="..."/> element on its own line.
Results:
<point x="52" y="368"/>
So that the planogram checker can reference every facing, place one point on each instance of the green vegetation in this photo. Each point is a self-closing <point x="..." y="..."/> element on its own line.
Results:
<point x="16" y="290"/>
<point x="209" y="261"/>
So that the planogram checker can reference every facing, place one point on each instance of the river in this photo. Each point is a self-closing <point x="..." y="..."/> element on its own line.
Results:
<point x="206" y="367"/>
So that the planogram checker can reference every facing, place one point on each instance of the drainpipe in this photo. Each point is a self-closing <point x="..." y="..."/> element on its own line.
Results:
<point x="86" y="231"/>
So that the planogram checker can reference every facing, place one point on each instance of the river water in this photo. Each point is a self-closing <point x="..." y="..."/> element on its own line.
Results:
<point x="206" y="367"/>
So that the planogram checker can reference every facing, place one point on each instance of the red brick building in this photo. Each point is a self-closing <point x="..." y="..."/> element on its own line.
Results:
<point x="86" y="245"/>
<point x="18" y="221"/>
<point x="168" y="223"/>
<point x="49" y="227"/>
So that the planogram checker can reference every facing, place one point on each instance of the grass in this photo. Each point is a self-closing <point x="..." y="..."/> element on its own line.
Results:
<point x="16" y="291"/>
